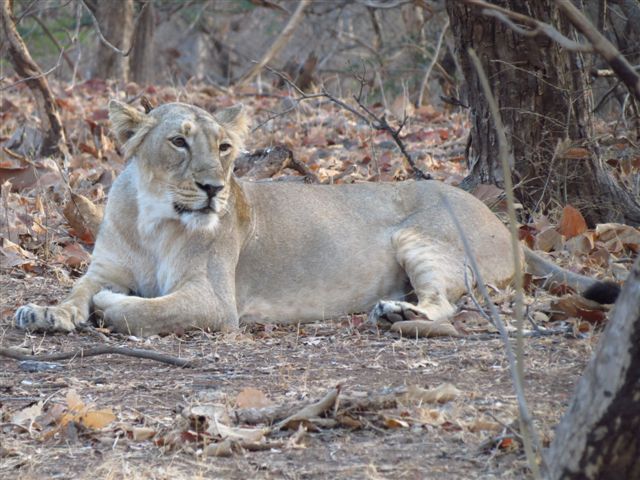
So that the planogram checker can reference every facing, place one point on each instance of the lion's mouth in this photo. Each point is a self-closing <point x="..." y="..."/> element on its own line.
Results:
<point x="182" y="209"/>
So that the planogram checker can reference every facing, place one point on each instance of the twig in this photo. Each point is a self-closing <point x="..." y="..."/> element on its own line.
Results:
<point x="377" y="123"/>
<point x="433" y="61"/>
<point x="504" y="15"/>
<point x="107" y="43"/>
<point x="100" y="350"/>
<point x="525" y="416"/>
<point x="526" y="426"/>
<point x="278" y="44"/>
<point x="604" y="47"/>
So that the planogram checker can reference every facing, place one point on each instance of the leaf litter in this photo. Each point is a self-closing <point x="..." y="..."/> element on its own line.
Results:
<point x="283" y="410"/>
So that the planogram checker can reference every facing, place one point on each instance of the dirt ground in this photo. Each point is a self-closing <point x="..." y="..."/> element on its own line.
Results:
<point x="462" y="438"/>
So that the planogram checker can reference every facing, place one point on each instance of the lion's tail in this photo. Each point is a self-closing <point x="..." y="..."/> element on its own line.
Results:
<point x="591" y="289"/>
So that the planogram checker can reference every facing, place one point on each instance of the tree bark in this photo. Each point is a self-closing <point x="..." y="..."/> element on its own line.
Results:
<point x="53" y="141"/>
<point x="116" y="23"/>
<point x="599" y="436"/>
<point x="142" y="59"/>
<point x="544" y="99"/>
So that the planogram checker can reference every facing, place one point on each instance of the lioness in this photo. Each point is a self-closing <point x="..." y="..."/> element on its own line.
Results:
<point x="185" y="244"/>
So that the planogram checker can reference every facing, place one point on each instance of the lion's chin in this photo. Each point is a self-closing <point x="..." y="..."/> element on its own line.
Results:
<point x="200" y="220"/>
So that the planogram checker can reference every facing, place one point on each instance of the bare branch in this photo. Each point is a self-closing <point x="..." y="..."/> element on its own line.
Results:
<point x="386" y="5"/>
<point x="54" y="141"/>
<point x="278" y="44"/>
<point x="376" y="122"/>
<point x="526" y="425"/>
<point x="100" y="350"/>
<point x="107" y="43"/>
<point x="504" y="14"/>
<point x="604" y="47"/>
<point x="434" y="59"/>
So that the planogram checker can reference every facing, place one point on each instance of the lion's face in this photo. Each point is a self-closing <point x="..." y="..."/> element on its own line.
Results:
<point x="184" y="158"/>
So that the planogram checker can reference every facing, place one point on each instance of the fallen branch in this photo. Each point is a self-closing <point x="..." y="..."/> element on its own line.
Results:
<point x="54" y="140"/>
<point x="311" y="411"/>
<point x="100" y="350"/>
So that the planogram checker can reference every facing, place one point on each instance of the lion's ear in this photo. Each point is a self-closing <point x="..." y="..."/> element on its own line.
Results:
<point x="234" y="118"/>
<point x="125" y="120"/>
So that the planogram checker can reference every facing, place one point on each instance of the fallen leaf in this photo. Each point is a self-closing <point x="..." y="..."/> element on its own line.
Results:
<point x="391" y="422"/>
<point x="572" y="222"/>
<point x="140" y="434"/>
<point x="424" y="328"/>
<point x="576" y="306"/>
<point x="548" y="240"/>
<point x="83" y="216"/>
<point x="252" y="398"/>
<point x="616" y="237"/>
<point x="74" y="255"/>
<point x="97" y="419"/>
<point x="440" y="394"/>
<point x="27" y="415"/>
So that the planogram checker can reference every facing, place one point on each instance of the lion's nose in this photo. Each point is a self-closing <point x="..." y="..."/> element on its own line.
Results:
<point x="210" y="189"/>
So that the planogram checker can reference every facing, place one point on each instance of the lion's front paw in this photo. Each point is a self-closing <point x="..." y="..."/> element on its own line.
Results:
<point x="60" y="318"/>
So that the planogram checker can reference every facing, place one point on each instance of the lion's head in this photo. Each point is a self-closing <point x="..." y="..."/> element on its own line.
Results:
<point x="184" y="159"/>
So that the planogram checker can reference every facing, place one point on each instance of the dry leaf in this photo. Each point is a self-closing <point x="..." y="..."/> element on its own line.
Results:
<point x="140" y="434"/>
<point x="97" y="419"/>
<point x="74" y="255"/>
<point x="391" y="422"/>
<point x="484" y="426"/>
<point x="26" y="416"/>
<point x="424" y="328"/>
<point x="576" y="306"/>
<point x="616" y="237"/>
<point x="548" y="240"/>
<point x="441" y="394"/>
<point x="252" y="398"/>
<point x="83" y="216"/>
<point x="581" y="244"/>
<point x="572" y="222"/>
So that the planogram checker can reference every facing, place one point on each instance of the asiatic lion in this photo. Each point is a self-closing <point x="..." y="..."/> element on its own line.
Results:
<point x="184" y="244"/>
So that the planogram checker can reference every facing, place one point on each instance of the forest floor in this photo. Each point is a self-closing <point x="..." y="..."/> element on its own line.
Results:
<point x="464" y="437"/>
<point x="393" y="407"/>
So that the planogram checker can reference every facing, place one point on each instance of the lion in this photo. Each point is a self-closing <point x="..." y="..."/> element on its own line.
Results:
<point x="185" y="244"/>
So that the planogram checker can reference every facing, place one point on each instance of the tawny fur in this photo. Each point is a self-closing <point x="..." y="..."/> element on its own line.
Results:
<point x="266" y="251"/>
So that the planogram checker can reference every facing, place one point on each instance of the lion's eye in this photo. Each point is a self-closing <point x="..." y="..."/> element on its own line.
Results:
<point x="225" y="147"/>
<point x="179" y="142"/>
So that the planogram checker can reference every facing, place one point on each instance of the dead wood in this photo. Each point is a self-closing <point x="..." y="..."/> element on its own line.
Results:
<point x="53" y="142"/>
<point x="101" y="350"/>
<point x="267" y="162"/>
<point x="599" y="436"/>
<point x="311" y="411"/>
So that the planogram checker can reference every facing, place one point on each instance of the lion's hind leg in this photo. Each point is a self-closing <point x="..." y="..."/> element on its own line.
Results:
<point x="436" y="273"/>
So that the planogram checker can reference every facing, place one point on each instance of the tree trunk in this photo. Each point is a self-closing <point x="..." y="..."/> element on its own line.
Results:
<point x="53" y="141"/>
<point x="545" y="101"/>
<point x="279" y="43"/>
<point x="115" y="18"/>
<point x="142" y="59"/>
<point x="599" y="436"/>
